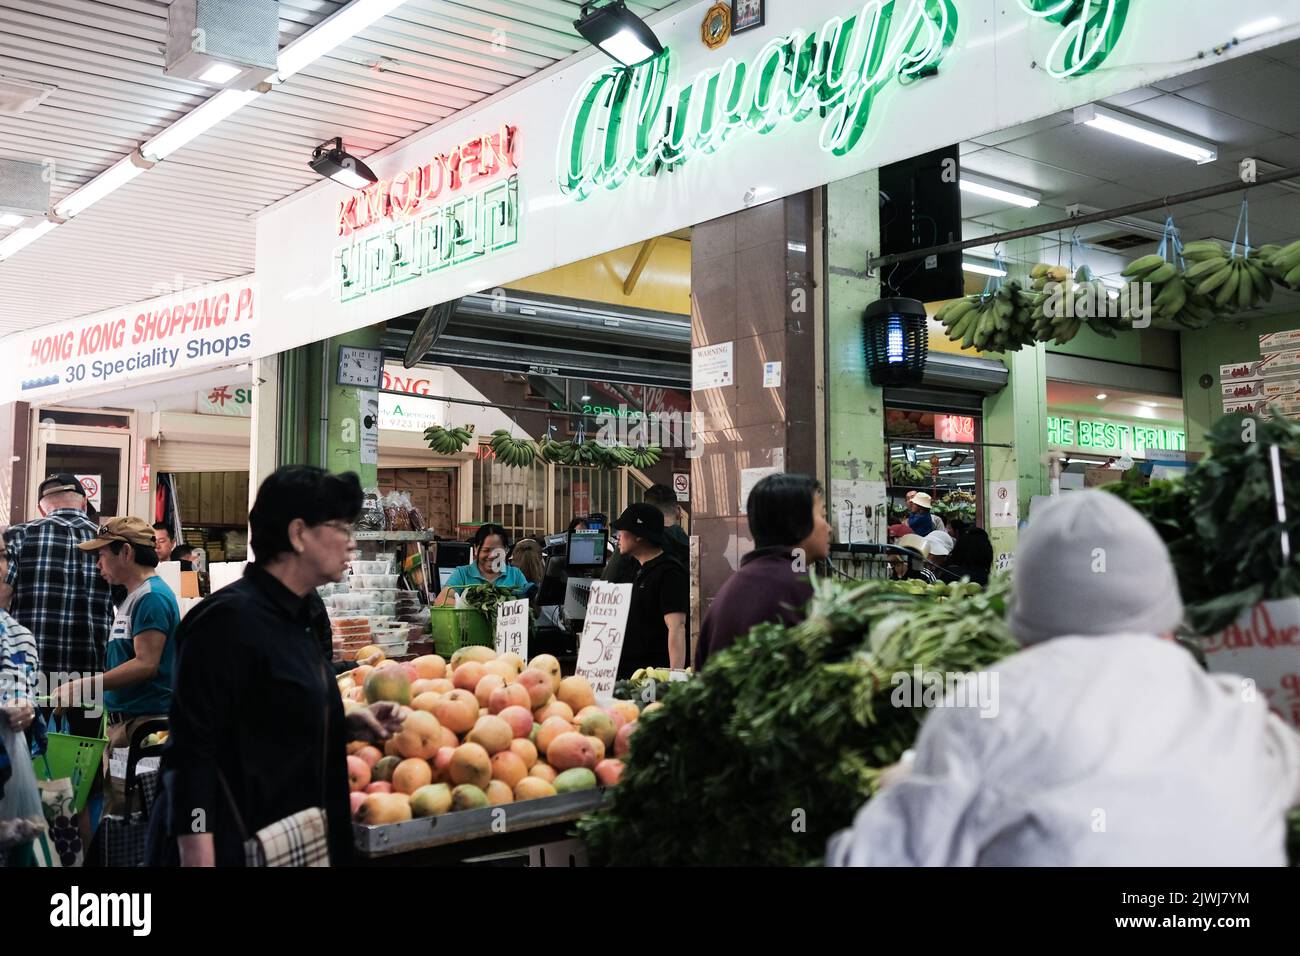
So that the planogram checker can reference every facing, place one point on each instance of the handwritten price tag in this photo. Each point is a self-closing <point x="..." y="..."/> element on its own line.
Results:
<point x="602" y="636"/>
<point x="512" y="628"/>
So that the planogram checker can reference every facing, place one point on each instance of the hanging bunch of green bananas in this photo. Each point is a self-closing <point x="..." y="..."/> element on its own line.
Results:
<point x="1282" y="264"/>
<point x="646" y="456"/>
<point x="1232" y="281"/>
<point x="516" y="452"/>
<point x="1043" y="274"/>
<point x="1161" y="285"/>
<point x="1000" y="321"/>
<point x="614" y="456"/>
<point x="903" y="474"/>
<point x="448" y="441"/>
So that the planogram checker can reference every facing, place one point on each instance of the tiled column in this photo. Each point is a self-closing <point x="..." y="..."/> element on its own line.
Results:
<point x="751" y="286"/>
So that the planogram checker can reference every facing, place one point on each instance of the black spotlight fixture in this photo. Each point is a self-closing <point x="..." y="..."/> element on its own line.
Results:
<point x="620" y="33"/>
<point x="896" y="341"/>
<point x="332" y="161"/>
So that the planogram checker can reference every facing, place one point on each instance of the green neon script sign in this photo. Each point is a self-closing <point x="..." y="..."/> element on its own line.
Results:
<point x="633" y="121"/>
<point x="627" y="121"/>
<point x="1090" y="31"/>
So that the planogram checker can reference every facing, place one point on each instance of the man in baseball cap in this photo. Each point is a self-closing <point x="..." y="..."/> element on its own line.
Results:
<point x="656" y="624"/>
<point x="60" y="484"/>
<point x="139" y="656"/>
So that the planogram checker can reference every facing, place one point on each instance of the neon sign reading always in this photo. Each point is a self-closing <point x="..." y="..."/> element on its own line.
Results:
<point x="626" y="121"/>
<point x="631" y="120"/>
<point x="1092" y="28"/>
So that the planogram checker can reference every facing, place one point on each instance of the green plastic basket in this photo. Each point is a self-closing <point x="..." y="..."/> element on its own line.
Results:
<point x="453" y="628"/>
<point x="77" y="758"/>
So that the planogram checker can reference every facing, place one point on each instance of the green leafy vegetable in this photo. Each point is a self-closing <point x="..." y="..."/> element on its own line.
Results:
<point x="486" y="598"/>
<point x="779" y="741"/>
<point x="1221" y="523"/>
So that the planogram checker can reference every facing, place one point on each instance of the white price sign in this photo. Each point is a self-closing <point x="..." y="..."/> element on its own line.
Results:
<point x="1263" y="648"/>
<point x="512" y="628"/>
<point x="602" y="636"/>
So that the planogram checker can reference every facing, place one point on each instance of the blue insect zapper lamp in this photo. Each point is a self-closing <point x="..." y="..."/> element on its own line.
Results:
<point x="896" y="341"/>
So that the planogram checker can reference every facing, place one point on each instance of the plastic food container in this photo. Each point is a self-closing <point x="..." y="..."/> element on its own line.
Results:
<point x="375" y="580"/>
<point x="372" y="567"/>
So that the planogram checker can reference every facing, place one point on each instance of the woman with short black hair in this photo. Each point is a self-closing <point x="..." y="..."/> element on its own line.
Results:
<point x="787" y="517"/>
<point x="257" y="726"/>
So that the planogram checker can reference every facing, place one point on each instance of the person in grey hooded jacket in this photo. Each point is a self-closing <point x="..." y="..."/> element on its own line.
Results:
<point x="1107" y="744"/>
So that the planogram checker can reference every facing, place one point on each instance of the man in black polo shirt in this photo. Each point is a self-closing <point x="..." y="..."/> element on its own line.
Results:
<point x="656" y="625"/>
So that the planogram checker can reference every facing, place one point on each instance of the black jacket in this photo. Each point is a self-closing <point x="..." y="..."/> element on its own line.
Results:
<point x="255" y="699"/>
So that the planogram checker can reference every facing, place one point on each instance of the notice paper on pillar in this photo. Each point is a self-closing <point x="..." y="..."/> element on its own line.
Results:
<point x="94" y="486"/>
<point x="1262" y="647"/>
<point x="512" y="628"/>
<point x="602" y="636"/>
<point x="1004" y="506"/>
<point x="771" y="374"/>
<point x="749" y="477"/>
<point x="369" y="428"/>
<point x="861" y="510"/>
<point x="711" y="366"/>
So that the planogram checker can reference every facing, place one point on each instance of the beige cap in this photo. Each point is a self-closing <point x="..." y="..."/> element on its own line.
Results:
<point x="129" y="529"/>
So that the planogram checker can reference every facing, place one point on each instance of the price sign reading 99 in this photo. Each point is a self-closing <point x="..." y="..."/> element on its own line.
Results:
<point x="602" y="636"/>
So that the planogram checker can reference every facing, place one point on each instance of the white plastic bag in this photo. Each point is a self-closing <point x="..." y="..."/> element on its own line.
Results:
<point x="21" y="815"/>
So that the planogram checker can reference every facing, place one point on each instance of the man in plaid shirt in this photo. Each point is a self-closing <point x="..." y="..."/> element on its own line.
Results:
<point x="55" y="591"/>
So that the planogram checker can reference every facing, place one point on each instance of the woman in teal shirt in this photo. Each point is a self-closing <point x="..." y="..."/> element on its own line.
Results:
<point x="489" y="566"/>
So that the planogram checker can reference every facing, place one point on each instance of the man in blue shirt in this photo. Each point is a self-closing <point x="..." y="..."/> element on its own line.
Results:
<point x="139" y="656"/>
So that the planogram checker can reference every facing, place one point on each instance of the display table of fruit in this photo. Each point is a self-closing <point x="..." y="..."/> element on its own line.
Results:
<point x="480" y="733"/>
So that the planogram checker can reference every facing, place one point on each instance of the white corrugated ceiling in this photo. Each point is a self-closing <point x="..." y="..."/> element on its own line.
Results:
<point x="188" y="219"/>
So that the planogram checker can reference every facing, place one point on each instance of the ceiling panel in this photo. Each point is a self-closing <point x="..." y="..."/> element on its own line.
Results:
<point x="188" y="218"/>
<point x="1265" y="95"/>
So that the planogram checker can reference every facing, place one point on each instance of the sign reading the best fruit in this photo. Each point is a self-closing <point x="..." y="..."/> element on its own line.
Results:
<point x="512" y="628"/>
<point x="602" y="637"/>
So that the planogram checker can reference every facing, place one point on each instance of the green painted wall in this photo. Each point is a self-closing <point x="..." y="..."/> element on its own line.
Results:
<point x="856" y="408"/>
<point x="301" y="432"/>
<point x="1156" y="348"/>
<point x="343" y="444"/>
<point x="1016" y="416"/>
<point x="1203" y="351"/>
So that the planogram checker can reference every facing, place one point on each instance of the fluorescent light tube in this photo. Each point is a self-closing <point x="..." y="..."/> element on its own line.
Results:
<point x="119" y="174"/>
<point x="196" y="122"/>
<point x="1002" y="192"/>
<point x="1146" y="133"/>
<point x="24" y="237"/>
<point x="220" y="74"/>
<point x="328" y="34"/>
<point x="982" y="270"/>
<point x="8" y="219"/>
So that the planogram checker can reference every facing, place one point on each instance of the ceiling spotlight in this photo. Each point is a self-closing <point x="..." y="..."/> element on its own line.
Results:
<point x="1102" y="396"/>
<point x="220" y="74"/>
<point x="618" y="32"/>
<point x="332" y="161"/>
<point x="586" y="398"/>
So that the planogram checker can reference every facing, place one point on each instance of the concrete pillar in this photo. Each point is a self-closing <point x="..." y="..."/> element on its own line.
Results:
<point x="752" y="286"/>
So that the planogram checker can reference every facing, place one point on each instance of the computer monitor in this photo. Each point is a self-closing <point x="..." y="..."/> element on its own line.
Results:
<point x="451" y="554"/>
<point x="587" y="550"/>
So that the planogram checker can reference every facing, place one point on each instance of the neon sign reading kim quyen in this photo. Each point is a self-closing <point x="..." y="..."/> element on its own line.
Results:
<point x="631" y="120"/>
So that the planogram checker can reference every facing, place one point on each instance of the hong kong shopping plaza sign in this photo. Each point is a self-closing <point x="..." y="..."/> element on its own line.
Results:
<point x="429" y="217"/>
<point x="599" y="157"/>
<point x="206" y="326"/>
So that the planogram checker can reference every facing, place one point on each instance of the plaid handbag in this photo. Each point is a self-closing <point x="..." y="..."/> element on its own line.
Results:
<point x="300" y="839"/>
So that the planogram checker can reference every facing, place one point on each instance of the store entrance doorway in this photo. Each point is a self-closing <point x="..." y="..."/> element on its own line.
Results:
<point x="99" y="457"/>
